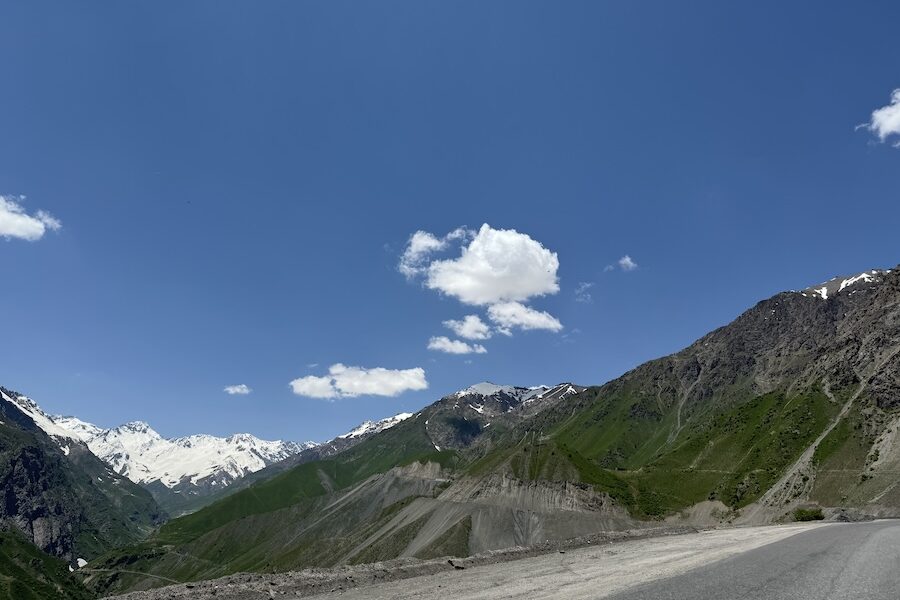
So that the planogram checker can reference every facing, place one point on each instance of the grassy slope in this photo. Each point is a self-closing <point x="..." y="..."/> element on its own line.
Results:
<point x="737" y="455"/>
<point x="619" y="445"/>
<point x="26" y="573"/>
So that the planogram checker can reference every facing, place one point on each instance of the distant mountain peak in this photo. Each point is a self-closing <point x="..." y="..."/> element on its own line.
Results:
<point x="522" y="394"/>
<point x="485" y="388"/>
<point x="368" y="427"/>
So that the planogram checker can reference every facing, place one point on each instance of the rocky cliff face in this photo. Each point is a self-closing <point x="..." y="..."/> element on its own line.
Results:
<point x="62" y="497"/>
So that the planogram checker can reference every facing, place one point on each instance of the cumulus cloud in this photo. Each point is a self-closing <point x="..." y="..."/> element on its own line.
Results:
<point x="885" y="121"/>
<point x="16" y="223"/>
<point x="444" y="344"/>
<point x="422" y="245"/>
<point x="514" y="315"/>
<point x="348" y="382"/>
<point x="240" y="389"/>
<point x="498" y="265"/>
<point x="496" y="268"/>
<point x="470" y="327"/>
<point x="582" y="292"/>
<point x="626" y="263"/>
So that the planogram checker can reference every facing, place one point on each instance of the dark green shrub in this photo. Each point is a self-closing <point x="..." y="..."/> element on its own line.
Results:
<point x="808" y="514"/>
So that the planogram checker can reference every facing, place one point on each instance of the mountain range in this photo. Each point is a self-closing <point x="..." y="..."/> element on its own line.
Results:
<point x="183" y="473"/>
<point x="793" y="405"/>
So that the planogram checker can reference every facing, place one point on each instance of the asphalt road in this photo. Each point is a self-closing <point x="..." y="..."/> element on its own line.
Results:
<point x="853" y="561"/>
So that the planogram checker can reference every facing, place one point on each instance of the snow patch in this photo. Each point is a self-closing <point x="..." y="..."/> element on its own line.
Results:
<point x="836" y="285"/>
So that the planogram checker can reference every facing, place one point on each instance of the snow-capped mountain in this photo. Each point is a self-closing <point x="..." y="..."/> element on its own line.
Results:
<point x="488" y="398"/>
<point x="459" y="419"/>
<point x="138" y="452"/>
<point x="852" y="285"/>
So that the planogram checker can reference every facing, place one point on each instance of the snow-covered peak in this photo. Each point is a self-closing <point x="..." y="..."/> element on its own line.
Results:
<point x="368" y="427"/>
<point x="837" y="285"/>
<point x="138" y="452"/>
<point x="137" y="427"/>
<point x="486" y="388"/>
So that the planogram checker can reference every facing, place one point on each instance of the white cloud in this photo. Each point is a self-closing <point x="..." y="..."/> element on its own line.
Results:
<point x="885" y="121"/>
<point x="422" y="245"/>
<point x="498" y="265"/>
<point x="582" y="292"/>
<point x="470" y="327"/>
<point x="627" y="264"/>
<point x="16" y="223"/>
<point x="509" y="315"/>
<point x="348" y="382"/>
<point x="239" y="389"/>
<point x="496" y="268"/>
<point x="444" y="344"/>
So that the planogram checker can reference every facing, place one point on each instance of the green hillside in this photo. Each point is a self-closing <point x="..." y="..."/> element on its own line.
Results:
<point x="26" y="573"/>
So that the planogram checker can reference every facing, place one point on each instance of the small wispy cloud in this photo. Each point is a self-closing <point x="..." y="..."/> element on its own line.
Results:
<point x="16" y="223"/>
<point x="514" y="315"/>
<point x="422" y="245"/>
<point x="885" y="121"/>
<point x="239" y="389"/>
<point x="626" y="263"/>
<point x="444" y="344"/>
<point x="470" y="327"/>
<point x="583" y="293"/>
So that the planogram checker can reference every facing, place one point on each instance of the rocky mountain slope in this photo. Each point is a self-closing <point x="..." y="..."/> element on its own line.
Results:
<point x="796" y="403"/>
<point x="60" y="496"/>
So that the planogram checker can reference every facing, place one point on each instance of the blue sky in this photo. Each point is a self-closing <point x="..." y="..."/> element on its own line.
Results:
<point x="237" y="183"/>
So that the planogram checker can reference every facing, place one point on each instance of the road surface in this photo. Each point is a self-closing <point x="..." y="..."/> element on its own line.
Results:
<point x="803" y="561"/>
<point x="858" y="561"/>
